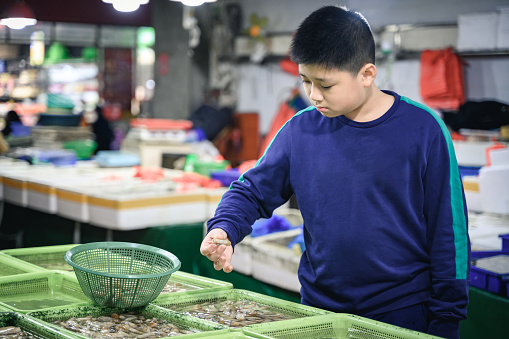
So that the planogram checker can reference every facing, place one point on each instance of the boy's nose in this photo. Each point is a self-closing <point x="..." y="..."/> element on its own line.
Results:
<point x="315" y="94"/>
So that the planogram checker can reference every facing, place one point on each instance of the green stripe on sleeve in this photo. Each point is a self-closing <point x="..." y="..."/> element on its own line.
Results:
<point x="457" y="207"/>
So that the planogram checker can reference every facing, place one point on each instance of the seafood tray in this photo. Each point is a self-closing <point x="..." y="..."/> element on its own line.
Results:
<point x="273" y="262"/>
<point x="337" y="325"/>
<point x="15" y="326"/>
<point x="142" y="322"/>
<point x="46" y="257"/>
<point x="490" y="271"/>
<point x="236" y="308"/>
<point x="190" y="284"/>
<point x="40" y="290"/>
<point x="10" y="266"/>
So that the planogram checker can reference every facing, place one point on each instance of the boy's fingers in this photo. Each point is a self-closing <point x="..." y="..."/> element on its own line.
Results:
<point x="214" y="256"/>
<point x="223" y="262"/>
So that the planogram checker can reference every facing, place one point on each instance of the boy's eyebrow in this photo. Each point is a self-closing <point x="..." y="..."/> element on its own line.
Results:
<point x="319" y="79"/>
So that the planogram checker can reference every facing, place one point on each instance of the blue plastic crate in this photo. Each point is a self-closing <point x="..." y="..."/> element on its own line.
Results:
<point x="487" y="280"/>
<point x="226" y="177"/>
<point x="505" y="241"/>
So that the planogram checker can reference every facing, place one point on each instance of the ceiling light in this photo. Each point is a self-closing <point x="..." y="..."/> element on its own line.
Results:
<point x="126" y="5"/>
<point x="194" y="2"/>
<point x="18" y="16"/>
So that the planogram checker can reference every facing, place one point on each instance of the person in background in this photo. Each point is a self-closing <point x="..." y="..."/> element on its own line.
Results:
<point x="101" y="127"/>
<point x="377" y="183"/>
<point x="9" y="118"/>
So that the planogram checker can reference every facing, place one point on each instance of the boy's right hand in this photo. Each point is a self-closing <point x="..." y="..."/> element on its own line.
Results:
<point x="221" y="255"/>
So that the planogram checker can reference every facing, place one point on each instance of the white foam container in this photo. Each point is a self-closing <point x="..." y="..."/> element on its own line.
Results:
<point x="213" y="199"/>
<point x="9" y="167"/>
<point x="41" y="186"/>
<point x="274" y="263"/>
<point x="494" y="189"/>
<point x="15" y="189"/>
<point x="137" y="210"/>
<point x="72" y="197"/>
<point x="472" y="193"/>
<point x="72" y="203"/>
<point x="242" y="261"/>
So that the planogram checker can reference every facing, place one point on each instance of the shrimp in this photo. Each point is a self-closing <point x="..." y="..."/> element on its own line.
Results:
<point x="221" y="242"/>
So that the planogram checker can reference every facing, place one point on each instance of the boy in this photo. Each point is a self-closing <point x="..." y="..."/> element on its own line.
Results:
<point x="376" y="180"/>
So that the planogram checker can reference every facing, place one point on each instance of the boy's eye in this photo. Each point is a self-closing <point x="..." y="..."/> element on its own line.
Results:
<point x="326" y="87"/>
<point x="306" y="81"/>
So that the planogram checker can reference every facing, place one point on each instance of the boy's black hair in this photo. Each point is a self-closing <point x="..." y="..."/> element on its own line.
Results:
<point x="334" y="37"/>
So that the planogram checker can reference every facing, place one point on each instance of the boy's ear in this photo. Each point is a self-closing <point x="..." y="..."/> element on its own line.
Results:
<point x="368" y="74"/>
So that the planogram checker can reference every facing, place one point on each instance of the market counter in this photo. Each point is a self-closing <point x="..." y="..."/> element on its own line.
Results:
<point x="43" y="229"/>
<point x="488" y="316"/>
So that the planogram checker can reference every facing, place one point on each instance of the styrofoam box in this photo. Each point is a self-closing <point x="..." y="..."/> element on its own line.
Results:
<point x="503" y="28"/>
<point x="213" y="199"/>
<point x="41" y="187"/>
<point x="7" y="168"/>
<point x="472" y="194"/>
<point x="137" y="210"/>
<point x="494" y="189"/>
<point x="472" y="153"/>
<point x="477" y="31"/>
<point x="72" y="197"/>
<point x="15" y="189"/>
<point x="72" y="203"/>
<point x="242" y="258"/>
<point x="273" y="262"/>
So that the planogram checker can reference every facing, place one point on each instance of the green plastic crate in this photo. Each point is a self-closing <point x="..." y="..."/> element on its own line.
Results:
<point x="337" y="325"/>
<point x="177" y="301"/>
<point x="192" y="284"/>
<point x="30" y="326"/>
<point x="202" y="327"/>
<point x="11" y="266"/>
<point x="230" y="335"/>
<point x="42" y="290"/>
<point x="47" y="257"/>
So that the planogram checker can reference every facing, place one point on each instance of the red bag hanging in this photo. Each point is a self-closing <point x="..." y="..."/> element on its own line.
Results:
<point x="442" y="79"/>
<point x="283" y="115"/>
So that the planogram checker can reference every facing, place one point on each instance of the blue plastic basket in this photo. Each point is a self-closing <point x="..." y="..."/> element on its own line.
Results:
<point x="226" y="177"/>
<point x="487" y="280"/>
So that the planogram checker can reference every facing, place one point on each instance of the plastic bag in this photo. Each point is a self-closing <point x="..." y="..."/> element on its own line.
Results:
<point x="441" y="80"/>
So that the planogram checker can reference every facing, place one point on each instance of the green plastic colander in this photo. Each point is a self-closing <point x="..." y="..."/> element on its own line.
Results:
<point x="121" y="274"/>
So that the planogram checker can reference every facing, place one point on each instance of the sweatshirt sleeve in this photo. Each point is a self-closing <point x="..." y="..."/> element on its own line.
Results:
<point x="447" y="237"/>
<point x="258" y="192"/>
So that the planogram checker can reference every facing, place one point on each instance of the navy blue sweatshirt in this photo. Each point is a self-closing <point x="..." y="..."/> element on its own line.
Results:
<point x="385" y="219"/>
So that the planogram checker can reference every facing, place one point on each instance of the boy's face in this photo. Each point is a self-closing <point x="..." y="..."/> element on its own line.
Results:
<point x="333" y="92"/>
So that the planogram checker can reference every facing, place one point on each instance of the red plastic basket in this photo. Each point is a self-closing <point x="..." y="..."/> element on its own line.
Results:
<point x="162" y="124"/>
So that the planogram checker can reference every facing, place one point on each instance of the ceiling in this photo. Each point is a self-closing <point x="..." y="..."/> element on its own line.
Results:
<point x="84" y="11"/>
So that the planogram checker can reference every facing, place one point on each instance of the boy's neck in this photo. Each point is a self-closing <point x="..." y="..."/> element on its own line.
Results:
<point x="377" y="104"/>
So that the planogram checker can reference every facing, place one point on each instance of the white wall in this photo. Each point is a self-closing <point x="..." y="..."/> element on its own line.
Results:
<point x="285" y="15"/>
<point x="263" y="88"/>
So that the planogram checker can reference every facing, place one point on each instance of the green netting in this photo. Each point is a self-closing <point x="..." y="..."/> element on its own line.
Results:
<point x="11" y="266"/>
<point x="36" y="291"/>
<point x="30" y="327"/>
<point x="121" y="274"/>
<point x="205" y="301"/>
<point x="201" y="327"/>
<point x="47" y="257"/>
<point x="337" y="326"/>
